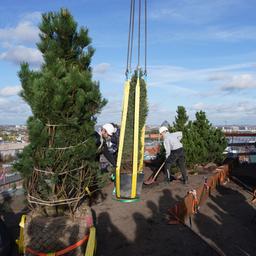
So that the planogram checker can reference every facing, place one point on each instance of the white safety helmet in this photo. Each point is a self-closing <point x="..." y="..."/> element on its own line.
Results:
<point x="110" y="129"/>
<point x="163" y="129"/>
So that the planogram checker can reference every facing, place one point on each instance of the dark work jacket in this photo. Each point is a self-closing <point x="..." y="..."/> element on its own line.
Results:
<point x="103" y="149"/>
<point x="5" y="240"/>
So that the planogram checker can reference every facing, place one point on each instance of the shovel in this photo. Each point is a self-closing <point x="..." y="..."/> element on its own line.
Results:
<point x="152" y="178"/>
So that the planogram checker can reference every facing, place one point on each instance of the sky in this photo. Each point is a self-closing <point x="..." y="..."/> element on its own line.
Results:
<point x="201" y="55"/>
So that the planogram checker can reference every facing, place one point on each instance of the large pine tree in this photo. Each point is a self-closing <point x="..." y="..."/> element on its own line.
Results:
<point x="59" y="164"/>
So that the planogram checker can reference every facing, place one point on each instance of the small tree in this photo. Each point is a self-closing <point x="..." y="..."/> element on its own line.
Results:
<point x="181" y="119"/>
<point x="59" y="164"/>
<point x="183" y="124"/>
<point x="201" y="127"/>
<point x="216" y="145"/>
<point x="211" y="140"/>
<point x="192" y="144"/>
<point x="202" y="142"/>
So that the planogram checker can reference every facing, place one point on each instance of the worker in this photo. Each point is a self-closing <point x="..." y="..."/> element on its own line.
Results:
<point x="113" y="140"/>
<point x="174" y="153"/>
<point x="107" y="139"/>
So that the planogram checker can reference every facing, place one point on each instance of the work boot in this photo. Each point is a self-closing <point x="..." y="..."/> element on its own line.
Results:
<point x="184" y="181"/>
<point x="172" y="178"/>
<point x="168" y="175"/>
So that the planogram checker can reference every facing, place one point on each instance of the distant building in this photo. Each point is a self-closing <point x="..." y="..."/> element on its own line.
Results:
<point x="165" y="123"/>
<point x="11" y="149"/>
<point x="235" y="128"/>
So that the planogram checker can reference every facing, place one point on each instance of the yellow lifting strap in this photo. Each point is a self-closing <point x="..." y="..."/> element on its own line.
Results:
<point x="136" y="139"/>
<point x="142" y="149"/>
<point x="91" y="244"/>
<point x="122" y="133"/>
<point x="88" y="191"/>
<point x="20" y="241"/>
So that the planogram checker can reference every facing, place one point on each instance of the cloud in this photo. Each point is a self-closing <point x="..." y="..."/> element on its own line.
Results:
<point x="24" y="32"/>
<point x="202" y="89"/>
<point x="171" y="74"/>
<point x="21" y="53"/>
<point x="199" y="106"/>
<point x="14" y="39"/>
<point x="240" y="82"/>
<point x="202" y="21"/>
<point x="101" y="68"/>
<point x="205" y="34"/>
<point x="13" y="110"/>
<point x="241" y="111"/>
<point x="232" y="111"/>
<point x="32" y="16"/>
<point x="3" y="102"/>
<point x="157" y="113"/>
<point x="196" y="83"/>
<point x="193" y="88"/>
<point x="219" y="76"/>
<point x="9" y="91"/>
<point x="110" y="78"/>
<point x="233" y="34"/>
<point x="111" y="112"/>
<point x="167" y="13"/>
<point x="192" y="12"/>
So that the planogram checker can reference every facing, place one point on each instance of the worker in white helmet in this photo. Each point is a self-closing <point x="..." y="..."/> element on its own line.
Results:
<point x="107" y="139"/>
<point x="174" y="153"/>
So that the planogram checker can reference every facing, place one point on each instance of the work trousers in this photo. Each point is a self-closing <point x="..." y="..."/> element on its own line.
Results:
<point x="176" y="157"/>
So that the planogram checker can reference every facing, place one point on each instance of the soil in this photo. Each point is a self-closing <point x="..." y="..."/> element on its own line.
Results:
<point x="141" y="228"/>
<point x="227" y="221"/>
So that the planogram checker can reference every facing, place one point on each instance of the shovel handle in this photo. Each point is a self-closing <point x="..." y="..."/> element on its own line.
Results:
<point x="152" y="178"/>
<point x="160" y="168"/>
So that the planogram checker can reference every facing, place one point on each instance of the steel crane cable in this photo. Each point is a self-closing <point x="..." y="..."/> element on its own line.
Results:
<point x="146" y="38"/>
<point x="139" y="16"/>
<point x="132" y="33"/>
<point x="130" y="38"/>
<point x="128" y="47"/>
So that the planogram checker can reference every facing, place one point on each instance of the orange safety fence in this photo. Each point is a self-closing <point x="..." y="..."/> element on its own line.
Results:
<point x="196" y="197"/>
<point x="89" y="239"/>
<point x="61" y="252"/>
